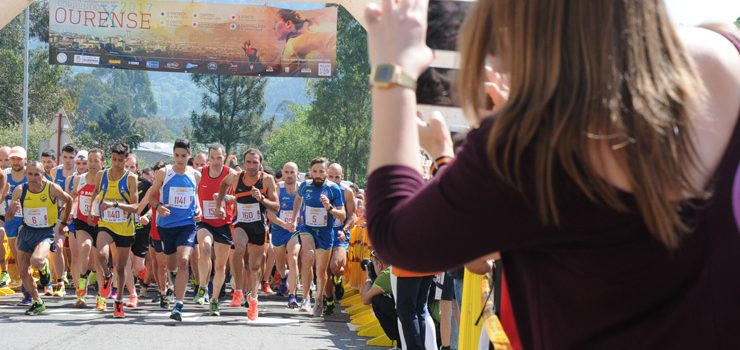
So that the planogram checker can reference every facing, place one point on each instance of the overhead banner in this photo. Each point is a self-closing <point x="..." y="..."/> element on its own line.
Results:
<point x="193" y="37"/>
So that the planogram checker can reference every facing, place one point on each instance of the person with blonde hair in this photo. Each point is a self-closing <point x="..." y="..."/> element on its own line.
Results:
<point x="606" y="166"/>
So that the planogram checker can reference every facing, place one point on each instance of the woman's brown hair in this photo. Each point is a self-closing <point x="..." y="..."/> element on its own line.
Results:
<point x="586" y="71"/>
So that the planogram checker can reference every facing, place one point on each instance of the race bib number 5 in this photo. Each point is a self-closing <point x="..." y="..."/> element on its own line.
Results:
<point x="36" y="217"/>
<point x="181" y="197"/>
<point x="248" y="212"/>
<point x="316" y="217"/>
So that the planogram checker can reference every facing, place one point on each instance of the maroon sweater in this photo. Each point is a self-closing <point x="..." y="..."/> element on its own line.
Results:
<point x="599" y="281"/>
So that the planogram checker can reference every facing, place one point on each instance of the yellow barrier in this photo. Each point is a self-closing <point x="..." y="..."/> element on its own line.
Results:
<point x="375" y="330"/>
<point x="471" y="307"/>
<point x="15" y="276"/>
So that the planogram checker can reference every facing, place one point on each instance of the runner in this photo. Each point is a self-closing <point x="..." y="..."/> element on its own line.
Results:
<point x="139" y="250"/>
<point x="4" y="275"/>
<point x="283" y="238"/>
<point x="255" y="192"/>
<point x="213" y="229"/>
<point x="323" y="204"/>
<point x="200" y="160"/>
<point x="71" y="245"/>
<point x="49" y="159"/>
<point x="85" y="223"/>
<point x="37" y="200"/>
<point x="177" y="215"/>
<point x="342" y="228"/>
<point x="59" y="176"/>
<point x="4" y="157"/>
<point x="156" y="250"/>
<point x="117" y="188"/>
<point x="16" y="176"/>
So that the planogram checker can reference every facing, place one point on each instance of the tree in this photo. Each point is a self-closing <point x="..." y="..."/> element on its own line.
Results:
<point x="347" y="122"/>
<point x="118" y="126"/>
<point x="233" y="106"/>
<point x="294" y="141"/>
<point x="45" y="94"/>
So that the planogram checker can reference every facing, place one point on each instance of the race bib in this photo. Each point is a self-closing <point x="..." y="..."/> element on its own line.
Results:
<point x="316" y="217"/>
<point x="286" y="215"/>
<point x="85" y="205"/>
<point x="248" y="212"/>
<point x="36" y="217"/>
<point x="114" y="215"/>
<point x="210" y="211"/>
<point x="181" y="197"/>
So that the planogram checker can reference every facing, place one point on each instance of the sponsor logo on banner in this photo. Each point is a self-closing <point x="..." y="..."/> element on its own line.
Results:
<point x="324" y="69"/>
<point x="305" y="70"/>
<point x="212" y="66"/>
<point x="233" y="67"/>
<point x="152" y="64"/>
<point x="85" y="59"/>
<point x="114" y="61"/>
<point x="173" y="65"/>
<point x="269" y="69"/>
<point x="191" y="65"/>
<point x="133" y="63"/>
<point x="61" y="57"/>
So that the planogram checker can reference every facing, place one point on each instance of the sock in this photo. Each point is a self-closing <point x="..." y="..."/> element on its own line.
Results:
<point x="180" y="302"/>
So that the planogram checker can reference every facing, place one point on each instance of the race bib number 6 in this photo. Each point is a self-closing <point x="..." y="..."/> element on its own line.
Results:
<point x="36" y="217"/>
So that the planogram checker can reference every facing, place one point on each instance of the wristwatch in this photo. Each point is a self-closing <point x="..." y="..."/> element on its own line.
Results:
<point x="386" y="76"/>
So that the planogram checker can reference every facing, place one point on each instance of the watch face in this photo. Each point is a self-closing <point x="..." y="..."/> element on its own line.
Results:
<point x="385" y="73"/>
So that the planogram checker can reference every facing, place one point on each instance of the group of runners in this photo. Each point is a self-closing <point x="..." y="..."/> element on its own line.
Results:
<point x="172" y="224"/>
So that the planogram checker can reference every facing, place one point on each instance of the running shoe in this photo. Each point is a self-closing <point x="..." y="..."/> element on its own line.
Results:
<point x="266" y="288"/>
<point x="118" y="309"/>
<point x="176" y="313"/>
<point x="114" y="293"/>
<point x="170" y="295"/>
<point x="133" y="301"/>
<point x="283" y="289"/>
<point x="65" y="279"/>
<point x="48" y="291"/>
<point x="253" y="311"/>
<point x="81" y="287"/>
<point x="200" y="296"/>
<point x="305" y="305"/>
<point x="4" y="279"/>
<point x="36" y="308"/>
<point x="338" y="287"/>
<point x="318" y="308"/>
<point x="329" y="308"/>
<point x="92" y="278"/>
<point x="45" y="274"/>
<point x="214" y="308"/>
<point x="292" y="302"/>
<point x="100" y="304"/>
<point x="142" y="275"/>
<point x="80" y="303"/>
<point x="60" y="290"/>
<point x="26" y="301"/>
<point x="236" y="301"/>
<point x="105" y="288"/>
<point x="163" y="302"/>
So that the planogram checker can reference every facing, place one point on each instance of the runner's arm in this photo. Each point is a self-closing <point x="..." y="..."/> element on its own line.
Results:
<point x="349" y="202"/>
<point x="225" y="184"/>
<point x="277" y="221"/>
<point x="75" y="181"/>
<point x="60" y="195"/>
<point x="271" y="201"/>
<point x="133" y="192"/>
<point x="153" y="193"/>
<point x="3" y="182"/>
<point x="14" y="203"/>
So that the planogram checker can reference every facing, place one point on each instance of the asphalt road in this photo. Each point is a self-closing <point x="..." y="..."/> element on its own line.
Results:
<point x="64" y="327"/>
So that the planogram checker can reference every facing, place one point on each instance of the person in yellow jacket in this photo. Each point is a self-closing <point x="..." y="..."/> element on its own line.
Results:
<point x="39" y="200"/>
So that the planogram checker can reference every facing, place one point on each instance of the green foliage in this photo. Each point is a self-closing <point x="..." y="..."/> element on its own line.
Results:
<point x="37" y="131"/>
<point x="234" y="107"/>
<point x="128" y="90"/>
<point x="294" y="141"/>
<point x="341" y="109"/>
